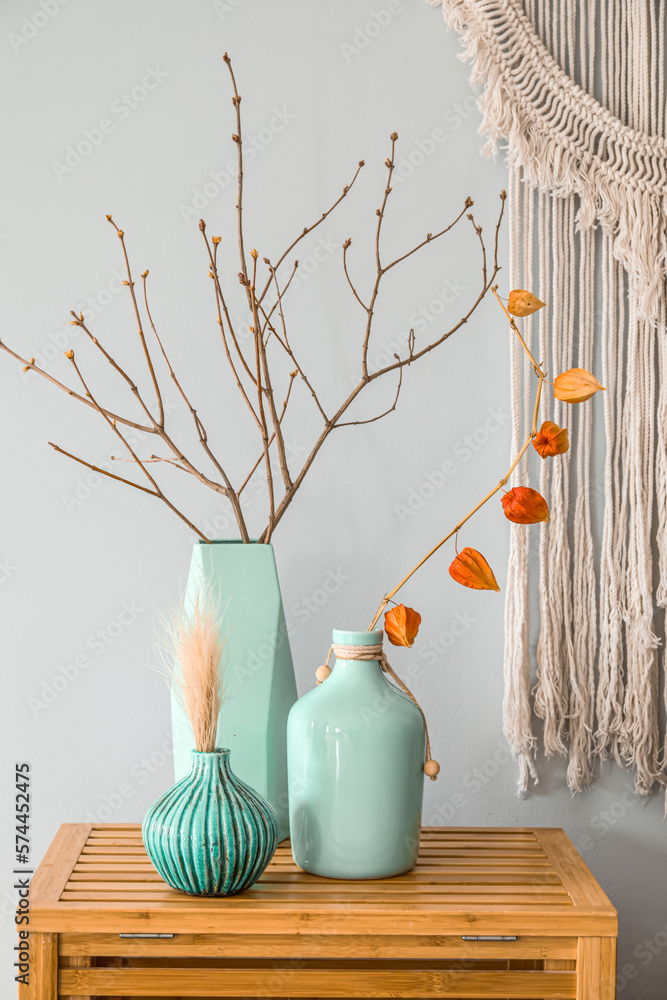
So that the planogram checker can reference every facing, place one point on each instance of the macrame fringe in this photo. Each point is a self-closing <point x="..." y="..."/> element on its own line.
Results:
<point x="577" y="165"/>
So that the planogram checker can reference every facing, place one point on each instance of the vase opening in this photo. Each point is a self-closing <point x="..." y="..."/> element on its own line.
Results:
<point x="342" y="638"/>
<point x="228" y="541"/>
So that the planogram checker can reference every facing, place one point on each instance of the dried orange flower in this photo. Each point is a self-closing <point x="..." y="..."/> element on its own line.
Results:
<point x="522" y="303"/>
<point x="525" y="506"/>
<point x="401" y="625"/>
<point x="575" y="386"/>
<point x="551" y="440"/>
<point x="471" y="569"/>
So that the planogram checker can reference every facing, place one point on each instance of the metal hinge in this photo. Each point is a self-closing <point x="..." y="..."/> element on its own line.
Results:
<point x="146" y="935"/>
<point x="489" y="937"/>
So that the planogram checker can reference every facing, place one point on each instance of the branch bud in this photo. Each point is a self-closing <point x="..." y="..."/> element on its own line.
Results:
<point x="362" y="163"/>
<point x="254" y="254"/>
<point x="109" y="218"/>
<point x="347" y="243"/>
<point x="394" y="136"/>
<point x="217" y="239"/>
<point x="145" y="273"/>
<point x="120" y="234"/>
<point x="202" y="226"/>
<point x="69" y="354"/>
<point x="235" y="137"/>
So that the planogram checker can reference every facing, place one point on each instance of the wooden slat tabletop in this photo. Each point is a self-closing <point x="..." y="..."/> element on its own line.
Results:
<point x="99" y="878"/>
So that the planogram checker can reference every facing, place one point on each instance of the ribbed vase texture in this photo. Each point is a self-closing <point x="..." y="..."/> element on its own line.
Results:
<point x="210" y="834"/>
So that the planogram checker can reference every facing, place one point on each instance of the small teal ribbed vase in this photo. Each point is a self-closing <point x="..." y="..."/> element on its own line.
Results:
<point x="210" y="834"/>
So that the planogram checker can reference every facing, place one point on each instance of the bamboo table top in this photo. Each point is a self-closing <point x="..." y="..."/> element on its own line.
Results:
<point x="98" y="879"/>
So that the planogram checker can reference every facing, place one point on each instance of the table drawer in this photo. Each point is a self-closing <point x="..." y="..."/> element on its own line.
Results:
<point x="337" y="946"/>
<point x="460" y="978"/>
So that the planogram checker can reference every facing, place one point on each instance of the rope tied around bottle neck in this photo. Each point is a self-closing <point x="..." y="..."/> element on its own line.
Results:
<point x="376" y="652"/>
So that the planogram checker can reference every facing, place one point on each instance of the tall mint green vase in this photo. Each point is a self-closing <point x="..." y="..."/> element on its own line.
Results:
<point x="258" y="672"/>
<point x="356" y="747"/>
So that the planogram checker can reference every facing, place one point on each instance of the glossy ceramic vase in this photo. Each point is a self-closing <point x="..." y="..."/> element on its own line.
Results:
<point x="211" y="834"/>
<point x="258" y="672"/>
<point x="355" y="747"/>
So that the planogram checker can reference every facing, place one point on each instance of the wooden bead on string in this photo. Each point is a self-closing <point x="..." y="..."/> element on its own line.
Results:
<point x="432" y="769"/>
<point x="322" y="673"/>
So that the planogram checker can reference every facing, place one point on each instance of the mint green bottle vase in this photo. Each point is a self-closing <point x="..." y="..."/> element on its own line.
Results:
<point x="356" y="747"/>
<point x="211" y="834"/>
<point x="258" y="672"/>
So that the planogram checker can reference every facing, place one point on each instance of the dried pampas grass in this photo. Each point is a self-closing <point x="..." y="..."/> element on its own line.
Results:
<point x="191" y="649"/>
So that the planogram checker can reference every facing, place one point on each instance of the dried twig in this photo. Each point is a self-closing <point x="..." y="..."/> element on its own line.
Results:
<point x="541" y="375"/>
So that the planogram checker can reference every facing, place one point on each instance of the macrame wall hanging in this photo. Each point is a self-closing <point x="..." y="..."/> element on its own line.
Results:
<point x="575" y="91"/>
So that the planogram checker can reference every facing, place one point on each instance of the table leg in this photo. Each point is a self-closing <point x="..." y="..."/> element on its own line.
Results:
<point x="43" y="968"/>
<point x="596" y="968"/>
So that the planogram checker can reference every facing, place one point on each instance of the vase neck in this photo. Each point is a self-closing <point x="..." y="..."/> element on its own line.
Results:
<point x="205" y="762"/>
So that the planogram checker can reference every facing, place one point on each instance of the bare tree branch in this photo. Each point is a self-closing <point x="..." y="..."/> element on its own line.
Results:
<point x="201" y="430"/>
<point x="371" y="420"/>
<point x="308" y="229"/>
<point x="135" y="304"/>
<point x="103" y="472"/>
<point x="256" y="377"/>
<point x="346" y="246"/>
<point x="252" y="472"/>
<point x="29" y="365"/>
<point x="156" y="489"/>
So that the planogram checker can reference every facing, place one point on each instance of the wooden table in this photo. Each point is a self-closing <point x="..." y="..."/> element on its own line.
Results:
<point x="486" y="913"/>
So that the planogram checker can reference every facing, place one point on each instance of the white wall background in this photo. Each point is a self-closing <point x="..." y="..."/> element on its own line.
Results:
<point x="73" y="555"/>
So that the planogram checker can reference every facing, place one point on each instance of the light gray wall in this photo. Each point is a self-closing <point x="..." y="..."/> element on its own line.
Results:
<point x="73" y="555"/>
